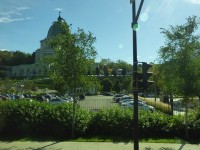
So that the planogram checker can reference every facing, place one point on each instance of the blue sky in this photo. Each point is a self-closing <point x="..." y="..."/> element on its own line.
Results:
<point x="23" y="23"/>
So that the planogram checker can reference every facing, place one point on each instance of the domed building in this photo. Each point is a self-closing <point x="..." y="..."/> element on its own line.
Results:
<point x="39" y="68"/>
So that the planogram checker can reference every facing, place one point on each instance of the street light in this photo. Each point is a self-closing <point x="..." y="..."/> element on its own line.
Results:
<point x="135" y="86"/>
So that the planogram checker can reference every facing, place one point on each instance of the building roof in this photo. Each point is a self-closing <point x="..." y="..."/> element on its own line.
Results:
<point x="56" y="27"/>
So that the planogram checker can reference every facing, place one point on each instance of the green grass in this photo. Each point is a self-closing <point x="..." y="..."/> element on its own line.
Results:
<point x="157" y="140"/>
<point x="98" y="139"/>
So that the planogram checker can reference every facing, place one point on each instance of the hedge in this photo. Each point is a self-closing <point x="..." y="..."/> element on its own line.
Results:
<point x="24" y="118"/>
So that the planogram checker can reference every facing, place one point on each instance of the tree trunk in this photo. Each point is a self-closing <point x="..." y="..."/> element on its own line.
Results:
<point x="186" y="120"/>
<point x="172" y="104"/>
<point x="74" y="114"/>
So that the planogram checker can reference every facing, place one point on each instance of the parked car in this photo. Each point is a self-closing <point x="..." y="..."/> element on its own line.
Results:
<point x="117" y="97"/>
<point x="126" y="97"/>
<point x="124" y="101"/>
<point x="108" y="94"/>
<point x="2" y="97"/>
<point x="141" y="106"/>
<point x="57" y="101"/>
<point x="82" y="97"/>
<point x="68" y="99"/>
<point x="15" y="97"/>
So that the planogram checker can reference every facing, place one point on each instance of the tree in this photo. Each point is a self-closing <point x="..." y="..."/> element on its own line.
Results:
<point x="97" y="71"/>
<point x="105" y="70"/>
<point x="14" y="58"/>
<point x="179" y="60"/>
<point x="74" y="55"/>
<point x="117" y="86"/>
<point x="107" y="85"/>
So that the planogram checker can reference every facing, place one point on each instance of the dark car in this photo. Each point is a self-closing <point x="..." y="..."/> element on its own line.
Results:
<point x="108" y="94"/>
<point x="82" y="97"/>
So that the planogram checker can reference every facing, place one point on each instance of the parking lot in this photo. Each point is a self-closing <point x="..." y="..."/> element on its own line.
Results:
<point x="94" y="103"/>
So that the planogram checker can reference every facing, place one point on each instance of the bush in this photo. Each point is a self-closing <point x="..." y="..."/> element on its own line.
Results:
<point x="194" y="124"/>
<point x="118" y="122"/>
<point x="24" y="118"/>
<point x="112" y="122"/>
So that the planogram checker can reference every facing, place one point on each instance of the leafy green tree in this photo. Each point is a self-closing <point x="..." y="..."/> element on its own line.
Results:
<point x="97" y="70"/>
<point x="14" y="58"/>
<point x="105" y="70"/>
<point x="5" y="58"/>
<point x="127" y="83"/>
<point x="179" y="60"/>
<point x="107" y="85"/>
<point x="117" y="86"/>
<point x="74" y="55"/>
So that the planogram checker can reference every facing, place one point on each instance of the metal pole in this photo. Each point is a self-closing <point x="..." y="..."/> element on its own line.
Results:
<point x="135" y="91"/>
<point x="139" y="10"/>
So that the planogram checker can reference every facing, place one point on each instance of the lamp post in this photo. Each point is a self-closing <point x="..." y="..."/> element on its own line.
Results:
<point x="135" y="61"/>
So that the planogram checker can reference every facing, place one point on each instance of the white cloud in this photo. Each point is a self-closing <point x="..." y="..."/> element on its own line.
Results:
<point x="58" y="9"/>
<point x="9" y="20"/>
<point x="3" y="49"/>
<point x="194" y="1"/>
<point x="22" y="8"/>
<point x="10" y="16"/>
<point x="9" y="13"/>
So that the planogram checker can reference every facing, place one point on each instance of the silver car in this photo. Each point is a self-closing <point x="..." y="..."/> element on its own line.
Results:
<point x="141" y="106"/>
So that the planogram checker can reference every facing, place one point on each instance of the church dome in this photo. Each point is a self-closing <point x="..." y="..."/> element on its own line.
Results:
<point x="56" y="28"/>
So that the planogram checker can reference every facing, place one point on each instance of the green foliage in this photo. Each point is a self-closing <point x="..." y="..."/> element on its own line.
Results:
<point x="194" y="123"/>
<point x="179" y="59"/>
<point x="14" y="58"/>
<point x="113" y="66"/>
<point x="74" y="55"/>
<point x="112" y="122"/>
<point x="25" y="118"/>
<point x="11" y="86"/>
<point x="160" y="125"/>
<point x="106" y="85"/>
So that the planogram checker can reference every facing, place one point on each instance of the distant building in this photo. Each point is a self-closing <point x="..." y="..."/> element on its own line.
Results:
<point x="39" y="68"/>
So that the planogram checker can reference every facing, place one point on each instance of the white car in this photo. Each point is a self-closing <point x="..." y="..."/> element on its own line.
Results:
<point x="126" y="97"/>
<point x="125" y="101"/>
<point x="141" y="106"/>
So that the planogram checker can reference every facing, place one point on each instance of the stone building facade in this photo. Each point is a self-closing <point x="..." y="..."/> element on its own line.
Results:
<point x="39" y="68"/>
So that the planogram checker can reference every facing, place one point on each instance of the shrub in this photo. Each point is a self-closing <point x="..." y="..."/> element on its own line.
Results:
<point x="112" y="122"/>
<point x="194" y="123"/>
<point x="152" y="124"/>
<point x="24" y="118"/>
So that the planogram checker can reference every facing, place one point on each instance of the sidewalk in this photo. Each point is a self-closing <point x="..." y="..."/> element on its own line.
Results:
<point x="16" y="145"/>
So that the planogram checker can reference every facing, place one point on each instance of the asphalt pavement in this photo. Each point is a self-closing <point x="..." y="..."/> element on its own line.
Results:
<point x="53" y="145"/>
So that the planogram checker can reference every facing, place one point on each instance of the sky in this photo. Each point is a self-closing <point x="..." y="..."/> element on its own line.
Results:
<point x="23" y="23"/>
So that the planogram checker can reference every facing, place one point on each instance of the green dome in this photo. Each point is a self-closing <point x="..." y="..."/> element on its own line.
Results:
<point x="56" y="28"/>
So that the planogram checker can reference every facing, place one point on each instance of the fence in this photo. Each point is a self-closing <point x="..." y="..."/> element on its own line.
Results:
<point x="95" y="103"/>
